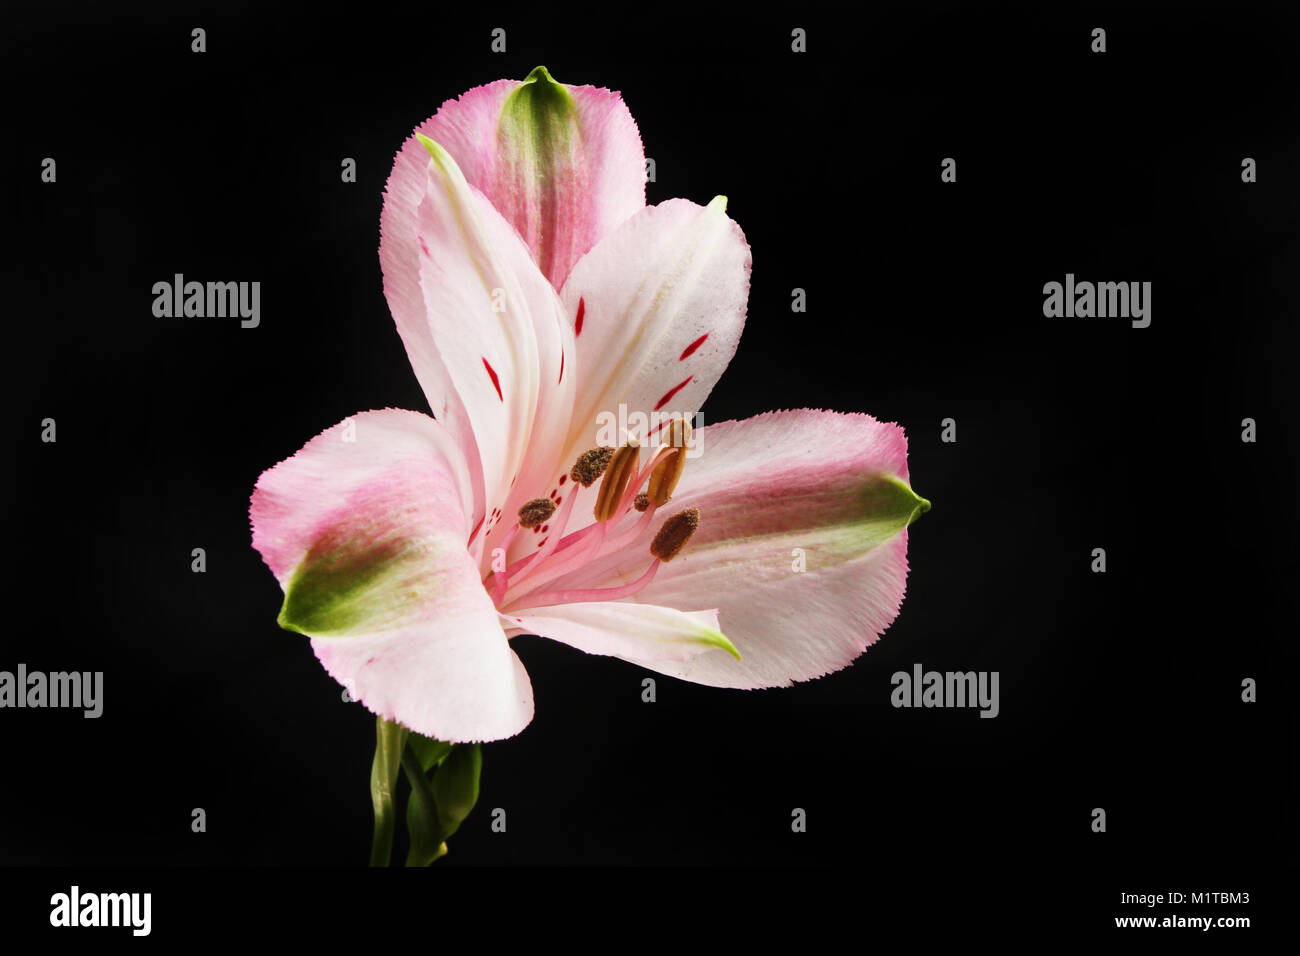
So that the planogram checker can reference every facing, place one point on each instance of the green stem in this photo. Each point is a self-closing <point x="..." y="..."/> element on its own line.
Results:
<point x="421" y="815"/>
<point x="390" y="740"/>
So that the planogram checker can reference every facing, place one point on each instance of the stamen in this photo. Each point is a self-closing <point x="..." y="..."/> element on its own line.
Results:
<point x="565" y="543"/>
<point x="561" y="564"/>
<point x="669" y="471"/>
<point x="547" y="598"/>
<point x="591" y="465"/>
<point x="632" y="530"/>
<point x="630" y="493"/>
<point x="536" y="511"/>
<point x="552" y="541"/>
<point x="621" y="468"/>
<point x="674" y="534"/>
<point x="501" y="579"/>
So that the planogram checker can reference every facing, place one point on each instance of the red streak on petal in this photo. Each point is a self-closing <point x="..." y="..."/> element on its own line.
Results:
<point x="474" y="533"/>
<point x="424" y="247"/>
<point x="561" y="378"/>
<point x="497" y="384"/>
<point x="582" y="310"/>
<point x="692" y="347"/>
<point x="670" y="393"/>
<point x="542" y="542"/>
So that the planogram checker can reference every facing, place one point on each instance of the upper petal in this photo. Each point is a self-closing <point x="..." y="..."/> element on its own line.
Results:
<point x="802" y="544"/>
<point x="463" y="126"/>
<point x="496" y="324"/>
<point x="569" y="168"/>
<point x="592" y="175"/>
<point x="365" y="528"/>
<point x="662" y="304"/>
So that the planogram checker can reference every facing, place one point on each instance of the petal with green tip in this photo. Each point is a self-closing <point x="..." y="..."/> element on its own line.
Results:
<point x="627" y="630"/>
<point x="366" y="528"/>
<point x="801" y="546"/>
<point x="550" y="163"/>
<point x="593" y="172"/>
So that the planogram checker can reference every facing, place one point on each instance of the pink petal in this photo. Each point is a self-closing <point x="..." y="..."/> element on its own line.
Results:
<point x="627" y="630"/>
<point x="569" y="168"/>
<point x="462" y="126"/>
<point x="663" y="303"/>
<point x="365" y="528"/>
<point x="832" y="485"/>
<point x="496" y="324"/>
<point x="602" y="186"/>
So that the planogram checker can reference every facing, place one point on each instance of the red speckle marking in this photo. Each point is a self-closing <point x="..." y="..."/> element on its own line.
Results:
<point x="561" y="378"/>
<point x="562" y="477"/>
<point x="424" y="247"/>
<point x="496" y="383"/>
<point x="542" y="542"/>
<point x="582" y="310"/>
<point x="545" y="528"/>
<point x="692" y="347"/>
<point x="559" y="500"/>
<point x="670" y="393"/>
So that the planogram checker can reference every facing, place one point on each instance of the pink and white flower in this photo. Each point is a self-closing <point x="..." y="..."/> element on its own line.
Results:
<point x="534" y="290"/>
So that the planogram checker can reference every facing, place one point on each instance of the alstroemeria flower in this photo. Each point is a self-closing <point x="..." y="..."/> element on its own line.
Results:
<point x="534" y="290"/>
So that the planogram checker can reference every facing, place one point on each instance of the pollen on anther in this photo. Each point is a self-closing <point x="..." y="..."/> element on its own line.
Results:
<point x="674" y="534"/>
<point x="591" y="464"/>
<point x="534" y="512"/>
<point x="641" y="502"/>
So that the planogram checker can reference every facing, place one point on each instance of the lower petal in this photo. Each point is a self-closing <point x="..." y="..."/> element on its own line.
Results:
<point x="801" y="628"/>
<point x="453" y="678"/>
<point x="640" y="632"/>
<point x="366" y="528"/>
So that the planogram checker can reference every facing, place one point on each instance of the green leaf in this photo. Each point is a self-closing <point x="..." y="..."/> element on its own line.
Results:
<point x="455" y="785"/>
<point x="390" y="740"/>
<point x="428" y="751"/>
<point x="422" y="823"/>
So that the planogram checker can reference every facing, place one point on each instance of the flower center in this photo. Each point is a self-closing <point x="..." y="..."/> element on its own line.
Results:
<point x="523" y="582"/>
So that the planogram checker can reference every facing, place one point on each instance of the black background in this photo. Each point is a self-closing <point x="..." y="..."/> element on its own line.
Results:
<point x="1119" y="690"/>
